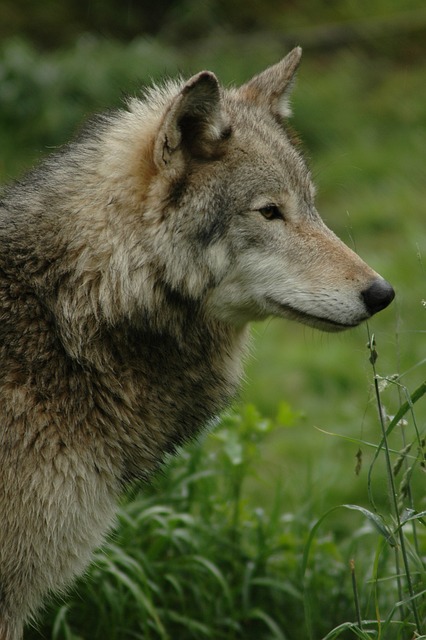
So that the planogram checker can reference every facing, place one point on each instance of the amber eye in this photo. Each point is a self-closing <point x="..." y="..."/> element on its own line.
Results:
<point x="271" y="212"/>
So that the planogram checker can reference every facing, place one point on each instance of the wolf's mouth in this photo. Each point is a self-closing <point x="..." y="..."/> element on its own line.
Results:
<point x="326" y="324"/>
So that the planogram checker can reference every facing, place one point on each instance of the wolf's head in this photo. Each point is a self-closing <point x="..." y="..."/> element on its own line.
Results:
<point x="230" y="204"/>
<point x="208" y="200"/>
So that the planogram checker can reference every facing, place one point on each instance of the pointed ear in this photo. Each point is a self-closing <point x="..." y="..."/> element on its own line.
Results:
<point x="194" y="124"/>
<point x="272" y="87"/>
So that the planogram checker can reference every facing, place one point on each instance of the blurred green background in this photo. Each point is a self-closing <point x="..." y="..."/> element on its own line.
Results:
<point x="359" y="106"/>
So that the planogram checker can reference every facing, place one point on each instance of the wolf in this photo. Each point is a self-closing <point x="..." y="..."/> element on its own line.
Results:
<point x="132" y="261"/>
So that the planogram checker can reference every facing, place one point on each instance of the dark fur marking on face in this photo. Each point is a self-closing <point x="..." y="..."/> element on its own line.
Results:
<point x="213" y="230"/>
<point x="217" y="218"/>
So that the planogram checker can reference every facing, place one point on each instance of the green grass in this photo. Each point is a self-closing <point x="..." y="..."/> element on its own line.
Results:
<point x="244" y="535"/>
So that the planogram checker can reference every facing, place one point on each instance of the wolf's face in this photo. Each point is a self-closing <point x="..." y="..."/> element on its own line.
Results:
<point x="240" y="228"/>
<point x="285" y="261"/>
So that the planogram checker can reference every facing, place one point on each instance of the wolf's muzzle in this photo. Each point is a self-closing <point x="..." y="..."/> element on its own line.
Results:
<point x="378" y="295"/>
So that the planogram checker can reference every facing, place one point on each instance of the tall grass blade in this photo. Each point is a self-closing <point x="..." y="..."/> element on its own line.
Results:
<point x="403" y="410"/>
<point x="420" y="391"/>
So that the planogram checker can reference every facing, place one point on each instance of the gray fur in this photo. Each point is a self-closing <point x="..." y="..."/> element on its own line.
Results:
<point x="130" y="264"/>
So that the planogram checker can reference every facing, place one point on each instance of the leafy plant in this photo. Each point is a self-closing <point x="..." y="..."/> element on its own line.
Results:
<point x="407" y="578"/>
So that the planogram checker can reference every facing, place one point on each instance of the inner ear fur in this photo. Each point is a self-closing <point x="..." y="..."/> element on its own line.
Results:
<point x="194" y="124"/>
<point x="272" y="87"/>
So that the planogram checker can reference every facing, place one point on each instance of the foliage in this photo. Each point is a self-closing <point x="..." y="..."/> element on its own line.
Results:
<point x="408" y="614"/>
<point x="50" y="24"/>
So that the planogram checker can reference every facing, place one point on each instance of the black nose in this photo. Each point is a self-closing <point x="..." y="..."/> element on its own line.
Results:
<point x="378" y="295"/>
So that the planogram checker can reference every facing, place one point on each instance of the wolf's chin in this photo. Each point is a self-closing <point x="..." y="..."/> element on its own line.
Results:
<point x="317" y="322"/>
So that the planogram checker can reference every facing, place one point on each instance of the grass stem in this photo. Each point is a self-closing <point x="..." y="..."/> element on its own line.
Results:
<point x="393" y="496"/>
<point x="355" y="592"/>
